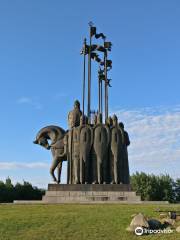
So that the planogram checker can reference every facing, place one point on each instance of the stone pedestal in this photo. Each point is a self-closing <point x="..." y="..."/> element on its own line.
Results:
<point x="89" y="193"/>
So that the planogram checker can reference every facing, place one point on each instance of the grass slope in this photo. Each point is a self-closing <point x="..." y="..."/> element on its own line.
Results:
<point x="74" y="222"/>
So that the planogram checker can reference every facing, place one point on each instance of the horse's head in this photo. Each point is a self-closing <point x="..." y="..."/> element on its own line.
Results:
<point x="42" y="141"/>
<point x="52" y="133"/>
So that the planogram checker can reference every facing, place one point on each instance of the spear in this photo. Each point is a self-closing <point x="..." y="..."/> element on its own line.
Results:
<point x="105" y="86"/>
<point x="89" y="71"/>
<point x="107" y="63"/>
<point x="84" y="74"/>
<point x="99" y="94"/>
<point x="100" y="78"/>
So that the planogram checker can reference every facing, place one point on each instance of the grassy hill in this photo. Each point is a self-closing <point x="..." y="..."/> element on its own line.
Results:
<point x="74" y="222"/>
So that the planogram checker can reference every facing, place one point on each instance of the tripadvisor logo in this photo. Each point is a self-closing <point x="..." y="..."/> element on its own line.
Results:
<point x="140" y="231"/>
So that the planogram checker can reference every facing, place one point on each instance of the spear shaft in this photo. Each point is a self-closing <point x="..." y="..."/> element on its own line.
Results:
<point x="106" y="86"/>
<point x="99" y="100"/>
<point x="101" y="93"/>
<point x="89" y="79"/>
<point x="84" y="75"/>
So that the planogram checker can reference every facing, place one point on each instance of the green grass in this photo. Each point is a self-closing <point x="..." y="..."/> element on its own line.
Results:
<point x="74" y="222"/>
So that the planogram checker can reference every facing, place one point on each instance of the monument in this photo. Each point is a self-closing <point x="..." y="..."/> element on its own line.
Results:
<point x="94" y="145"/>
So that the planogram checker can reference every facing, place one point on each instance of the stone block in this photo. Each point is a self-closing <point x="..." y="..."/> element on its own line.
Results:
<point x="89" y="193"/>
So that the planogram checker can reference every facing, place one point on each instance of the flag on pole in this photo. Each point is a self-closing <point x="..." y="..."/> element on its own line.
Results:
<point x="108" y="64"/>
<point x="94" y="47"/>
<point x="92" y="31"/>
<point x="95" y="57"/>
<point x="108" y="45"/>
<point x="97" y="35"/>
<point x="100" y="35"/>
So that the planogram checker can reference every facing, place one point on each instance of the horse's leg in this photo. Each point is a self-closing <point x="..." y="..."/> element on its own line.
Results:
<point x="53" y="167"/>
<point x="59" y="169"/>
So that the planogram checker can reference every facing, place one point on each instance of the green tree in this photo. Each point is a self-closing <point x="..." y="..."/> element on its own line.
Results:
<point x="2" y="191"/>
<point x="10" y="193"/>
<point x="152" y="187"/>
<point x="177" y="190"/>
<point x="25" y="191"/>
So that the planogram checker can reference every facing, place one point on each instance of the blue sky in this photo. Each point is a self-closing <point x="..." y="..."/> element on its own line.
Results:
<point x="41" y="75"/>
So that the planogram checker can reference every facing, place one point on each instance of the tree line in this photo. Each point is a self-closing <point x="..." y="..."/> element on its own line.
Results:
<point x="151" y="188"/>
<point x="25" y="191"/>
<point x="156" y="188"/>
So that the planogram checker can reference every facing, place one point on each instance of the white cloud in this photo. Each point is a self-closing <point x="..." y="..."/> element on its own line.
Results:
<point x="155" y="146"/>
<point x="19" y="165"/>
<point x="155" y="139"/>
<point x="30" y="101"/>
<point x="36" y="173"/>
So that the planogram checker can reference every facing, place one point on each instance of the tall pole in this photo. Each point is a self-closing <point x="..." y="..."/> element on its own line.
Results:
<point x="107" y="99"/>
<point x="106" y="86"/>
<point x="84" y="76"/>
<point x="100" y="91"/>
<point x="99" y="94"/>
<point x="89" y="77"/>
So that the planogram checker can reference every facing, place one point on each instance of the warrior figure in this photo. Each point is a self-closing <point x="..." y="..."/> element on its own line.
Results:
<point x="126" y="179"/>
<point x="101" y="144"/>
<point x="76" y="154"/>
<point x="74" y="115"/>
<point x="86" y="140"/>
<point x="116" y="149"/>
<point x="73" y="121"/>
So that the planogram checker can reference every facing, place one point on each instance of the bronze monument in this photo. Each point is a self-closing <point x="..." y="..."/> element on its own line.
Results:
<point x="95" y="144"/>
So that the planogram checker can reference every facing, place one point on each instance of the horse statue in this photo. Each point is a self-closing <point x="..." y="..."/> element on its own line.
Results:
<point x="58" y="138"/>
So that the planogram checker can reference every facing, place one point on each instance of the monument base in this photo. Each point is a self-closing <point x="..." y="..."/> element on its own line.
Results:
<point x="89" y="193"/>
